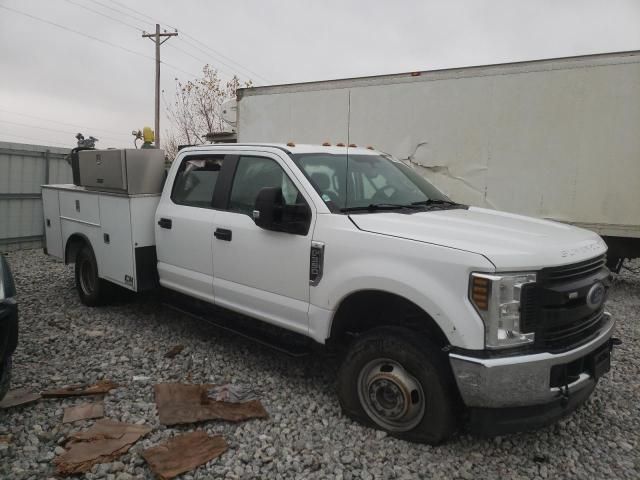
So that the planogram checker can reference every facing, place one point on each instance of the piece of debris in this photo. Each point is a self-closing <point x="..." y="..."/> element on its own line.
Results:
<point x="84" y="411"/>
<point x="141" y="378"/>
<point x="232" y="393"/>
<point x="175" y="350"/>
<point x="103" y="386"/>
<point x="5" y="439"/>
<point x="105" y="441"/>
<point x="180" y="403"/>
<point x="18" y="397"/>
<point x="183" y="453"/>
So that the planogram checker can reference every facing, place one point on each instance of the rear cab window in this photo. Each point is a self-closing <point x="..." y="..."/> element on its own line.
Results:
<point x="196" y="180"/>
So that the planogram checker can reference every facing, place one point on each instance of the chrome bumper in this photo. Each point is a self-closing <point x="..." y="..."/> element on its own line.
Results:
<point x="520" y="380"/>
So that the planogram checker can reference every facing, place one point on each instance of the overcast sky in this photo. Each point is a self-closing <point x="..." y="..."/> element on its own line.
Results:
<point x="74" y="83"/>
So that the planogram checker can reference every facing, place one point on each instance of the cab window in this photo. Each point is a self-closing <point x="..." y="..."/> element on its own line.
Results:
<point x="252" y="175"/>
<point x="196" y="180"/>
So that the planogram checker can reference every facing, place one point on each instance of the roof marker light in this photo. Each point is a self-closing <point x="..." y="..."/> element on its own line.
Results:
<point x="340" y="144"/>
<point x="352" y="145"/>
<point x="326" y="144"/>
<point x="291" y="144"/>
<point x="370" y="148"/>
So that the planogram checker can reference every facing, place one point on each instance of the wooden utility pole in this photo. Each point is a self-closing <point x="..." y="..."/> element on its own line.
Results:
<point x="155" y="37"/>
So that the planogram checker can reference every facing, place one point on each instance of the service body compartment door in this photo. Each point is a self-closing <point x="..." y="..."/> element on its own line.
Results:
<point x="117" y="263"/>
<point x="80" y="206"/>
<point x="53" y="234"/>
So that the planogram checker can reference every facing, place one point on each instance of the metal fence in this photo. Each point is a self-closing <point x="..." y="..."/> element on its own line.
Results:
<point x="23" y="169"/>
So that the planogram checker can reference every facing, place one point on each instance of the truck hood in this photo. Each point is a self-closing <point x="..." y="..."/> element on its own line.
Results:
<point x="509" y="241"/>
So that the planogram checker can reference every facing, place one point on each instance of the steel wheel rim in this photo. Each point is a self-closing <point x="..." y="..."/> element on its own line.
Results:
<point x="87" y="277"/>
<point x="390" y="395"/>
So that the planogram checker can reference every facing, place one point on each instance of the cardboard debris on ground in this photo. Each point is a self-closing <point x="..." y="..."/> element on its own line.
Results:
<point x="105" y="441"/>
<point x="84" y="411"/>
<point x="174" y="351"/>
<point x="232" y="393"/>
<point x="17" y="397"/>
<point x="5" y="439"/>
<point x="103" y="386"/>
<point x="179" y="403"/>
<point x="183" y="453"/>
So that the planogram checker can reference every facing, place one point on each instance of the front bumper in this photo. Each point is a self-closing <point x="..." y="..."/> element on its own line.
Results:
<point x="525" y="380"/>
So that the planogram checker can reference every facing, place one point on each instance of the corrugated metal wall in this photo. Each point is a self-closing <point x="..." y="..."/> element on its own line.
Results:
<point x="23" y="169"/>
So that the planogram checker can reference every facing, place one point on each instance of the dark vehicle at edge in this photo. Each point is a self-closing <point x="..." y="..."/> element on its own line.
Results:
<point x="8" y="324"/>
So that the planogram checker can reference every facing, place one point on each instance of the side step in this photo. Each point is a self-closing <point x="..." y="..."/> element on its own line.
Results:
<point x="280" y="339"/>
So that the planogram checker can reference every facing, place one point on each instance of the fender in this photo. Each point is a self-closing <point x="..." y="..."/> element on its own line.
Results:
<point x="71" y="240"/>
<point x="434" y="277"/>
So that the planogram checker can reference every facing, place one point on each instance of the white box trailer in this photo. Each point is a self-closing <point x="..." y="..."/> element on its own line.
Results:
<point x="557" y="139"/>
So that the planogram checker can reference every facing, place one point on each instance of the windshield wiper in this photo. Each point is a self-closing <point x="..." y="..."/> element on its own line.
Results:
<point x="373" y="207"/>
<point x="434" y="202"/>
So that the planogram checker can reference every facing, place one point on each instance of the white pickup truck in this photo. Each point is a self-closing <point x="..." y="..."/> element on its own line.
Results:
<point x="444" y="314"/>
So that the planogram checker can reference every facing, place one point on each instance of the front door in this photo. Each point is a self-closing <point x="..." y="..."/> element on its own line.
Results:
<point x="261" y="273"/>
<point x="184" y="227"/>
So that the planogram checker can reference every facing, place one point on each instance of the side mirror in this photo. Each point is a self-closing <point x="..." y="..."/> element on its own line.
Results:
<point x="271" y="213"/>
<point x="267" y="211"/>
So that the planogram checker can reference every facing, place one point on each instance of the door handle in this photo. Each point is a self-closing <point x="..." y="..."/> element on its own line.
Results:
<point x="222" y="234"/>
<point x="165" y="223"/>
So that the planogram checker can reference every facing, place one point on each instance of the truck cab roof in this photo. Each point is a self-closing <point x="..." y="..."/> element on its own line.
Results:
<point x="288" y="147"/>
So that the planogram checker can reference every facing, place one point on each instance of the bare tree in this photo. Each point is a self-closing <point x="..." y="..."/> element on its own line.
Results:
<point x="197" y="109"/>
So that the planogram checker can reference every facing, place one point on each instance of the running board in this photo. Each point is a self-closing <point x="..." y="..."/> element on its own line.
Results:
<point x="245" y="327"/>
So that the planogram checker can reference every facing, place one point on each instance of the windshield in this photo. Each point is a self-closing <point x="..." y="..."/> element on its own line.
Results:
<point x="371" y="180"/>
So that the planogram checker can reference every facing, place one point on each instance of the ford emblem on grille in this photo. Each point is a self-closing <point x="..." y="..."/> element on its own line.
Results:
<point x="595" y="296"/>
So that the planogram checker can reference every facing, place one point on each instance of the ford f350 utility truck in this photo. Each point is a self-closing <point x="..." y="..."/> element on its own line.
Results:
<point x="443" y="312"/>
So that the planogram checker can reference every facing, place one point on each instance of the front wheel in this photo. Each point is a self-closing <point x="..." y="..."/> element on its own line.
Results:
<point x="5" y="377"/>
<point x="91" y="288"/>
<point x="398" y="381"/>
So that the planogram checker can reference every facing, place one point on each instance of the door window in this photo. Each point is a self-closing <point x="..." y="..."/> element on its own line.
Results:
<point x="252" y="175"/>
<point x="196" y="180"/>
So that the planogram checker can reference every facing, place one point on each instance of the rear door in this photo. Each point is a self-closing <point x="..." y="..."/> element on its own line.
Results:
<point x="262" y="273"/>
<point x="184" y="225"/>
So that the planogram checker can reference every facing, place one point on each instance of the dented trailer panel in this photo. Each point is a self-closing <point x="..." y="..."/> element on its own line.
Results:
<point x="119" y="228"/>
<point x="553" y="139"/>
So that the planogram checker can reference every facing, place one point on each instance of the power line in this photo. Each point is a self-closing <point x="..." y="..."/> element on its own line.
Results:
<point x="212" y="50"/>
<point x="51" y="129"/>
<point x="200" y="59"/>
<point x="105" y="15"/>
<point x="144" y="21"/>
<point x="246" y="69"/>
<point x="77" y="32"/>
<point x="84" y="127"/>
<point x="31" y="138"/>
<point x="231" y="72"/>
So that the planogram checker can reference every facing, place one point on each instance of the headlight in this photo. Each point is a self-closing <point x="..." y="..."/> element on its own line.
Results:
<point x="497" y="300"/>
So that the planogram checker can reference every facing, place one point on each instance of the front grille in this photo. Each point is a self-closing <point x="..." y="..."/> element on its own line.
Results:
<point x="574" y="271"/>
<point x="555" y="307"/>
<point x="566" y="335"/>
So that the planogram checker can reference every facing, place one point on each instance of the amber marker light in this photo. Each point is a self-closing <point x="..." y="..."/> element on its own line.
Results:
<point x="480" y="291"/>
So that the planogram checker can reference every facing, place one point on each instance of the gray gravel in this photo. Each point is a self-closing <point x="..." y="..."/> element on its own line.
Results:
<point x="306" y="436"/>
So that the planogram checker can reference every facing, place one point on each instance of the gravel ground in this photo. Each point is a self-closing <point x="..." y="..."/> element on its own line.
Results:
<point x="306" y="436"/>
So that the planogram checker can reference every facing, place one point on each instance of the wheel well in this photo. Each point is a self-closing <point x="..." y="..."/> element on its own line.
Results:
<point x="367" y="309"/>
<point x="74" y="245"/>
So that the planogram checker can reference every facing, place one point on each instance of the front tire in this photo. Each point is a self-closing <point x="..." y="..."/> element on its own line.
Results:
<point x="398" y="381"/>
<point x="92" y="290"/>
<point x="5" y="377"/>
